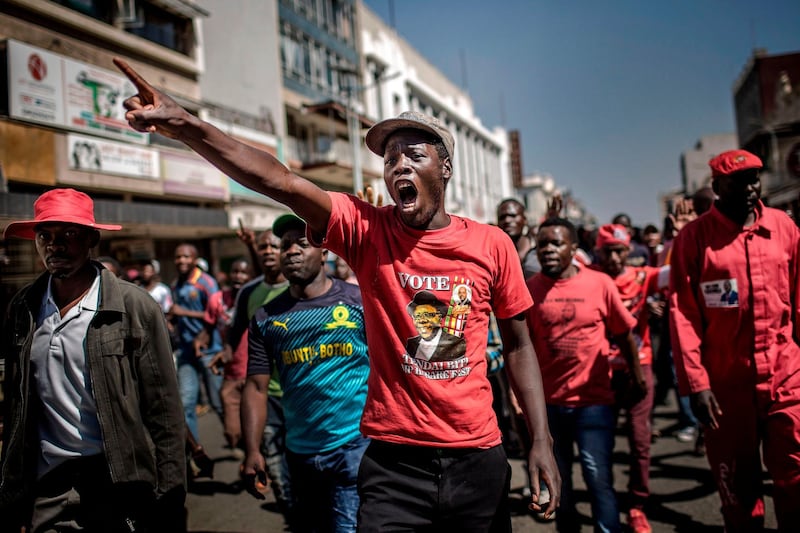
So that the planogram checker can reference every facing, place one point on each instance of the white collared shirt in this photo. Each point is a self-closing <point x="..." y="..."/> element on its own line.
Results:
<point x="68" y="426"/>
<point x="426" y="348"/>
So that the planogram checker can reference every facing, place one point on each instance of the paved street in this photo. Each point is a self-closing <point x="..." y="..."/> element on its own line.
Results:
<point x="683" y="500"/>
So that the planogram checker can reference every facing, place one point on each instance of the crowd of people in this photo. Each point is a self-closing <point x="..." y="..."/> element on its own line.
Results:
<point x="387" y="392"/>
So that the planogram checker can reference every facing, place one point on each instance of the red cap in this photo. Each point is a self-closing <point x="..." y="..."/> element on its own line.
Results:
<point x="733" y="161"/>
<point x="610" y="234"/>
<point x="58" y="205"/>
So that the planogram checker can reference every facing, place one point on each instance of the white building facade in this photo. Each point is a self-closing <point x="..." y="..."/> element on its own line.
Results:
<point x="397" y="78"/>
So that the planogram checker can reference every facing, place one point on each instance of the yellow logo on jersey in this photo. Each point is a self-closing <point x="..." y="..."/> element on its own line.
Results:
<point x="340" y="315"/>
<point x="281" y="324"/>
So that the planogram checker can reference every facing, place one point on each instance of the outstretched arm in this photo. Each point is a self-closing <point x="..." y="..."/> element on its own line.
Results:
<point x="526" y="382"/>
<point x="154" y="112"/>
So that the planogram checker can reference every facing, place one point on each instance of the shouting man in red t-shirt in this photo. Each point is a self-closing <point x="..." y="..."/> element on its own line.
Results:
<point x="436" y="460"/>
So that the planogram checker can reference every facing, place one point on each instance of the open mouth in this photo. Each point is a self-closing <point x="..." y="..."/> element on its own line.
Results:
<point x="407" y="193"/>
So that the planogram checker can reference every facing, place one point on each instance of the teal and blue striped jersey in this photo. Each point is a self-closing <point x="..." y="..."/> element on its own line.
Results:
<point x="320" y="348"/>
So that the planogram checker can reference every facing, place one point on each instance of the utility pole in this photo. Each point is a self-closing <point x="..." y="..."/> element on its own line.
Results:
<point x="353" y="119"/>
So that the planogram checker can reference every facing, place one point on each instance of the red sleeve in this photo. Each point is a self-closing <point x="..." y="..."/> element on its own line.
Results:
<point x="345" y="227"/>
<point x="213" y="308"/>
<point x="686" y="321"/>
<point x="651" y="282"/>
<point x="619" y="320"/>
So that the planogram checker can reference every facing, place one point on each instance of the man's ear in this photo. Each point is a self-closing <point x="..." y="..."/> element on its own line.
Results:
<point x="94" y="238"/>
<point x="447" y="169"/>
<point x="715" y="186"/>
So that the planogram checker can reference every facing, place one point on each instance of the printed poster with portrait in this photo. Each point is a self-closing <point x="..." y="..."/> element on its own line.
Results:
<point x="720" y="293"/>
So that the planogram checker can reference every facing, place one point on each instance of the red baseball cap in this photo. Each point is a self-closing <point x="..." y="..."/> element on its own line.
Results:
<point x="734" y="161"/>
<point x="58" y="205"/>
<point x="610" y="234"/>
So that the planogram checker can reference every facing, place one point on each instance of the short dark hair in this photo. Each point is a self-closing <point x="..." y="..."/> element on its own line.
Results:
<point x="563" y="223"/>
<point x="619" y="216"/>
<point x="441" y="150"/>
<point x="511" y="201"/>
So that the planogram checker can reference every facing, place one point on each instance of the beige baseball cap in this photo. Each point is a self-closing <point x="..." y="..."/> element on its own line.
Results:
<point x="377" y="134"/>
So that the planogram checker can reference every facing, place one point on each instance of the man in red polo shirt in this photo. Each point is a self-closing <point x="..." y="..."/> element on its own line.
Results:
<point x="738" y="358"/>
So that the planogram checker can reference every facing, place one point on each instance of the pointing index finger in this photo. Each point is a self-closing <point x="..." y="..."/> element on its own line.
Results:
<point x="146" y="91"/>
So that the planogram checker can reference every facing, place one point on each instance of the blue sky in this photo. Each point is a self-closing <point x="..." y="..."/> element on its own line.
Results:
<point x="606" y="95"/>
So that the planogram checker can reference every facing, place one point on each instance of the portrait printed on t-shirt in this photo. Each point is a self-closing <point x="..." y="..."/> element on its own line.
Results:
<point x="720" y="293"/>
<point x="433" y="342"/>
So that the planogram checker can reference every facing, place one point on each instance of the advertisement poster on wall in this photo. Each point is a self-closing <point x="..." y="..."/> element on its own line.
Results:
<point x="48" y="88"/>
<point x="35" y="85"/>
<point x="92" y="154"/>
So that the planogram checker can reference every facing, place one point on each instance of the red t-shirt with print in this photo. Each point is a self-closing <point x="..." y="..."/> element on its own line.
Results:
<point x="571" y="321"/>
<point x="427" y="298"/>
<point x="635" y="284"/>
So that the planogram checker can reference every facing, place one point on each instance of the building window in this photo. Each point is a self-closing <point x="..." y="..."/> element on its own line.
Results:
<point x="97" y="9"/>
<point x="162" y="27"/>
<point x="141" y="18"/>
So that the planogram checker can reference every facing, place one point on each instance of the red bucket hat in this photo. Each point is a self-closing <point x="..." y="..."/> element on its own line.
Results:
<point x="610" y="234"/>
<point x="59" y="205"/>
<point x="733" y="161"/>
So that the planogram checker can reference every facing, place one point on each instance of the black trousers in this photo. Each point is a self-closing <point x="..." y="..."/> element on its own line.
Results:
<point x="416" y="488"/>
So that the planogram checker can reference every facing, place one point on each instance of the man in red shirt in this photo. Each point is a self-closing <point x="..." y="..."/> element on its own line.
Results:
<point x="575" y="312"/>
<point x="739" y="359"/>
<point x="436" y="460"/>
<point x="636" y="285"/>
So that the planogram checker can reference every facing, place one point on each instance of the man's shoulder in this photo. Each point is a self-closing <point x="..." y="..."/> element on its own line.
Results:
<point x="351" y="292"/>
<point x="779" y="218"/>
<point x="489" y="230"/>
<point x="282" y="303"/>
<point x="208" y="282"/>
<point x="596" y="276"/>
<point x="251" y="285"/>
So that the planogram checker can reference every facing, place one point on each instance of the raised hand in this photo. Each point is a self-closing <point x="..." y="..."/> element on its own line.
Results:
<point x="683" y="214"/>
<point x="369" y="196"/>
<point x="151" y="111"/>
<point x="246" y="235"/>
<point x="554" y="206"/>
